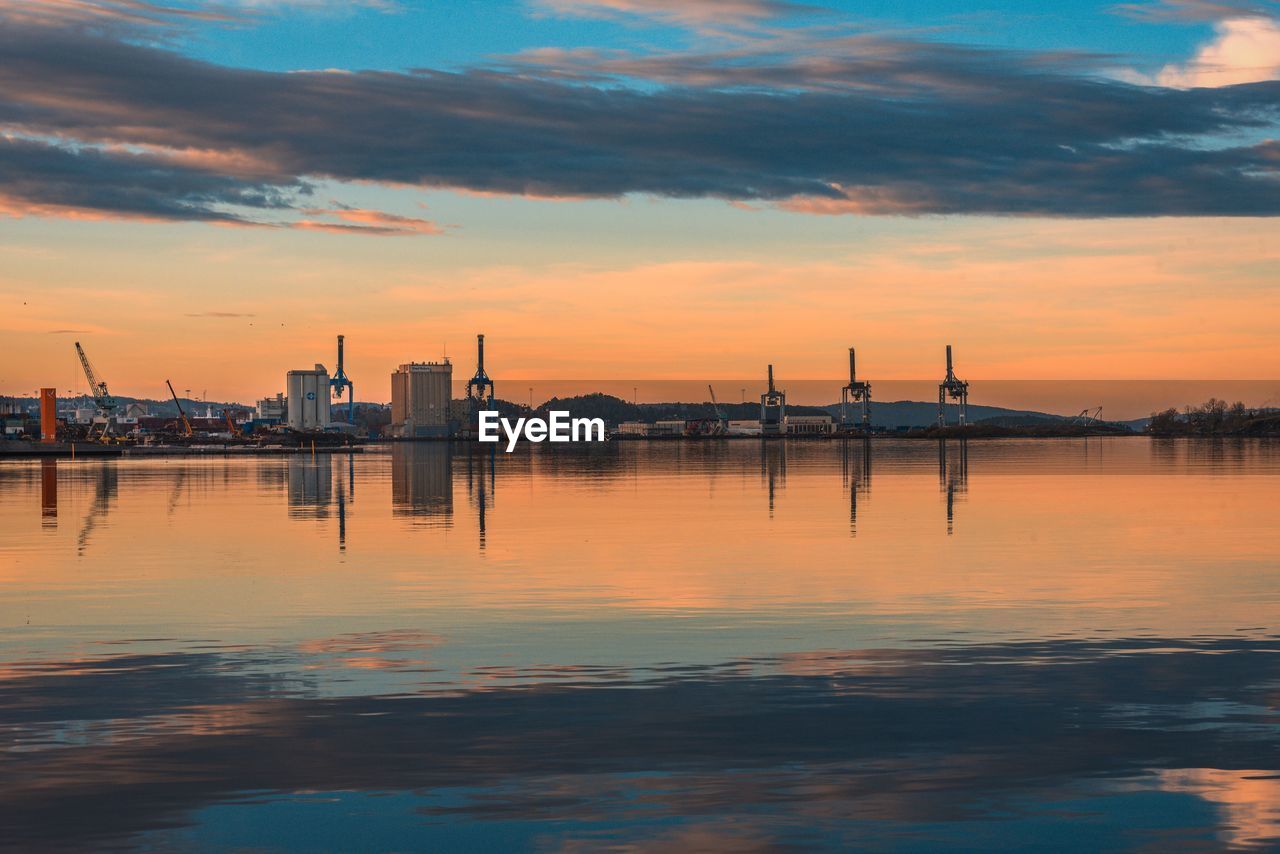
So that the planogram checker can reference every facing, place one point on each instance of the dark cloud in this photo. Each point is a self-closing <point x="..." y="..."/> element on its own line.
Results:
<point x="904" y="127"/>
<point x="37" y="177"/>
<point x="112" y="13"/>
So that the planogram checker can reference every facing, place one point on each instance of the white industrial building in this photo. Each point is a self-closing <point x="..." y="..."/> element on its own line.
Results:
<point x="809" y="425"/>
<point x="308" y="399"/>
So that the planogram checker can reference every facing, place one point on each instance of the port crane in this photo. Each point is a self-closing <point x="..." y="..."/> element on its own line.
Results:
<point x="1088" y="416"/>
<point x="724" y="422"/>
<point x="102" y="399"/>
<point x="773" y="409"/>
<point x="954" y="388"/>
<point x="186" y="422"/>
<point x="717" y="426"/>
<point x="340" y="382"/>
<point x="480" y="387"/>
<point x="232" y="427"/>
<point x="858" y="392"/>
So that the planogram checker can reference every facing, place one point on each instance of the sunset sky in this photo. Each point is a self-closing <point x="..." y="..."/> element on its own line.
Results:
<point x="617" y="189"/>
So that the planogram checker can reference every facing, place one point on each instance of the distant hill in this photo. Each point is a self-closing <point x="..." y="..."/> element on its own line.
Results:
<point x="889" y="415"/>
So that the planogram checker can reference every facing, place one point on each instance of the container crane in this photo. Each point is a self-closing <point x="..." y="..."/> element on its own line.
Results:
<point x="773" y="410"/>
<point x="955" y="388"/>
<point x="102" y="399"/>
<point x="858" y="392"/>
<point x="186" y="423"/>
<point x="340" y="382"/>
<point x="479" y="387"/>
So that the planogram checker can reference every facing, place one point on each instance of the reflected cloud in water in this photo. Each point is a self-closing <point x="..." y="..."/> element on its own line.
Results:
<point x="890" y="747"/>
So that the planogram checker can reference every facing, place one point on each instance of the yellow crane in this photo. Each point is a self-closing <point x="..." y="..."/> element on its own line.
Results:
<point x="186" y="423"/>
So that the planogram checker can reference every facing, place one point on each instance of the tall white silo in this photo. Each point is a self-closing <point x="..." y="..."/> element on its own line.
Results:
<point x="308" y="399"/>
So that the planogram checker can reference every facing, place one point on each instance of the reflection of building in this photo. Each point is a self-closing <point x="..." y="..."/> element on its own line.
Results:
<point x="420" y="396"/>
<point x="422" y="480"/>
<point x="310" y="485"/>
<point x="49" y="492"/>
<point x="308" y="403"/>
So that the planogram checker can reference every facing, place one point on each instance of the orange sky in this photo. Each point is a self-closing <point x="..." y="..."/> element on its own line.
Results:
<point x="649" y="294"/>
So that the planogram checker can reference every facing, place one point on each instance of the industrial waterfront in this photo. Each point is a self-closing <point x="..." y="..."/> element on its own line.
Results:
<point x="318" y="413"/>
<point x="892" y="644"/>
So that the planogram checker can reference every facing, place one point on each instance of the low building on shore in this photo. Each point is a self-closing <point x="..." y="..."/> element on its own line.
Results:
<point x="809" y="425"/>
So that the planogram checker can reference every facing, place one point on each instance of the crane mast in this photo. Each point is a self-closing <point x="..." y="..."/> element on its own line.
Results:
<point x="723" y="422"/>
<point x="186" y="422"/>
<point x="98" y="388"/>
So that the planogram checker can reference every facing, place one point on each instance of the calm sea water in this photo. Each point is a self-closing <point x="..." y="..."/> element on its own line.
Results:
<point x="720" y="646"/>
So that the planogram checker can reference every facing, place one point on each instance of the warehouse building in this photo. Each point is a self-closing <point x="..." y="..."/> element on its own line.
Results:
<point x="420" y="401"/>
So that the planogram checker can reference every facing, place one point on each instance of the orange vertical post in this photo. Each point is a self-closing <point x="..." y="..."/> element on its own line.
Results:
<point x="48" y="415"/>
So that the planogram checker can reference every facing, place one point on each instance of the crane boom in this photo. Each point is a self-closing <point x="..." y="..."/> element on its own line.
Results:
<point x="186" y="423"/>
<point x="716" y="405"/>
<point x="98" y="388"/>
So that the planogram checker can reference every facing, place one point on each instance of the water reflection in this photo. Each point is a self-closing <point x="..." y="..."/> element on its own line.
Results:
<point x="482" y="484"/>
<point x="310" y="482"/>
<point x="1166" y="743"/>
<point x="622" y="659"/>
<point x="49" y="492"/>
<point x="953" y="476"/>
<point x="422" y="481"/>
<point x="106" y="488"/>
<point x="855" y="459"/>
<point x="773" y="468"/>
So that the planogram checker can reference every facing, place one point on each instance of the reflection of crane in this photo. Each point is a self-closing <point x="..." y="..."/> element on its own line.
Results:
<point x="859" y="479"/>
<point x="483" y="499"/>
<point x="105" y="491"/>
<point x="186" y="423"/>
<point x="102" y="398"/>
<point x="953" y="476"/>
